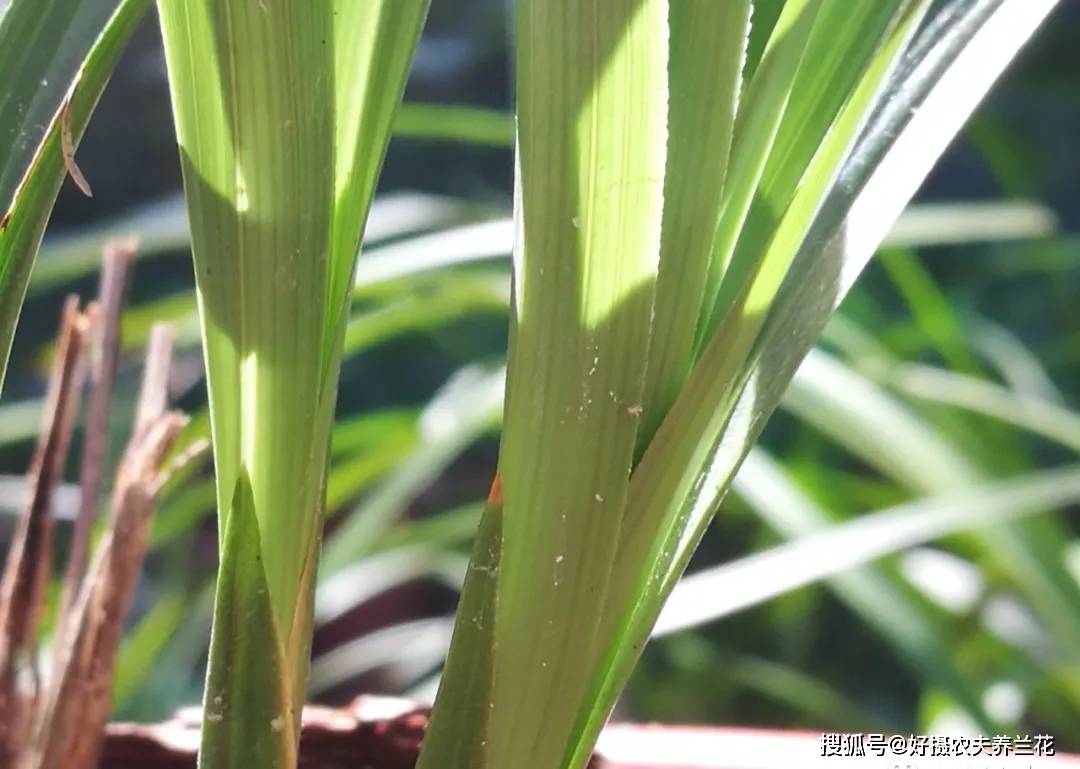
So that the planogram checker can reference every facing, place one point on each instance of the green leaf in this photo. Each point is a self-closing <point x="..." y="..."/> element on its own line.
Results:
<point x="591" y="140"/>
<point x="42" y="48"/>
<point x="143" y="644"/>
<point x="256" y="138"/>
<point x="442" y="530"/>
<point x="465" y="408"/>
<point x="55" y="58"/>
<point x="444" y="122"/>
<point x="847" y="408"/>
<point x="373" y="48"/>
<point x="161" y="227"/>
<point x="758" y="123"/>
<point x="931" y="310"/>
<point x="915" y="633"/>
<point x="705" y="76"/>
<point x="461" y="735"/>
<point x="426" y="306"/>
<point x="855" y="413"/>
<point x="250" y="717"/>
<point x="363" y="450"/>
<point x="401" y="652"/>
<point x="847" y="44"/>
<point x="972" y="221"/>
<point x="353" y="472"/>
<point x="1031" y="413"/>
<point x="283" y="112"/>
<point x="752" y="356"/>
<point x="753" y="276"/>
<point x="746" y="582"/>
<point x="592" y="125"/>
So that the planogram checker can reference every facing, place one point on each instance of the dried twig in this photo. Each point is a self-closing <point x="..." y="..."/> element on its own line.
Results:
<point x="116" y="269"/>
<point x="155" y="384"/>
<point x="22" y="595"/>
<point x="68" y="730"/>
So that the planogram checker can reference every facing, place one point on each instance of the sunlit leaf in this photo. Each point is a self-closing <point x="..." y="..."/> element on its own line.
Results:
<point x="283" y="113"/>
<point x="591" y="137"/>
<point x="705" y="76"/>
<point x="749" y="360"/>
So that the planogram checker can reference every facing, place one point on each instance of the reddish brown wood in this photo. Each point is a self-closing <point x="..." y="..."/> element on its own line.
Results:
<point x="375" y="732"/>
<point x="385" y="733"/>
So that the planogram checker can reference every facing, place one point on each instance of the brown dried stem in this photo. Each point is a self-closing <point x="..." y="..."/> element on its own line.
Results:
<point x="116" y="270"/>
<point x="26" y="576"/>
<point x="68" y="730"/>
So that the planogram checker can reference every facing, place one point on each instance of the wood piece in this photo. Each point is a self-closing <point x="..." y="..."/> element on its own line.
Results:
<point x="385" y="733"/>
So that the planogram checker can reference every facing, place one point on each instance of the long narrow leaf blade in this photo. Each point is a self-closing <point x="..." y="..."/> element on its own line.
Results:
<point x="689" y="465"/>
<point x="760" y="116"/>
<point x="592" y="93"/>
<point x="245" y="725"/>
<point x="847" y="43"/>
<point x="260" y="199"/>
<point x="55" y="59"/>
<point x="283" y="113"/>
<point x="373" y="48"/>
<point x="705" y="77"/>
<point x="733" y="587"/>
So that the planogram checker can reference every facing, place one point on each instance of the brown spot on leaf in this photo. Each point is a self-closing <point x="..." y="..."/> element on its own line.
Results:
<point x="495" y="496"/>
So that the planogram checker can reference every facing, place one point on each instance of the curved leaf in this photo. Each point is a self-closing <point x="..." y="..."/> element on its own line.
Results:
<point x="55" y="58"/>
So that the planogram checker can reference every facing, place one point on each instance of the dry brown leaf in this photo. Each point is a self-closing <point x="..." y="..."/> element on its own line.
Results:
<point x="67" y="150"/>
